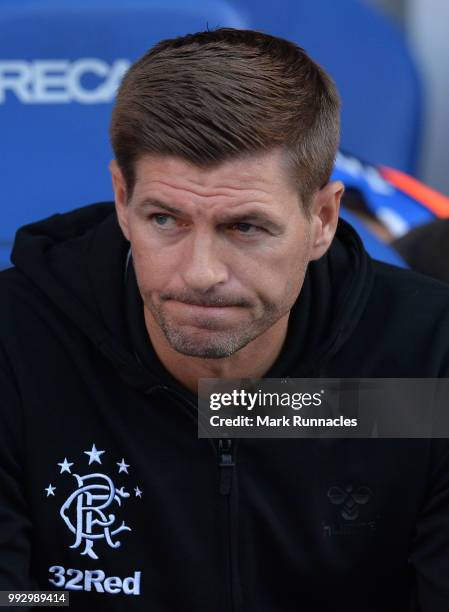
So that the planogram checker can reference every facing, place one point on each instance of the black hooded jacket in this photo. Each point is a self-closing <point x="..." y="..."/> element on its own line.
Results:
<point x="106" y="490"/>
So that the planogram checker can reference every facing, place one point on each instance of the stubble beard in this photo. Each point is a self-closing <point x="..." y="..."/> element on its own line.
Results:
<point x="209" y="343"/>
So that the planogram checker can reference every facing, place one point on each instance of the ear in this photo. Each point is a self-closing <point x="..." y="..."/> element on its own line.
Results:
<point x="325" y="207"/>
<point x="120" y="195"/>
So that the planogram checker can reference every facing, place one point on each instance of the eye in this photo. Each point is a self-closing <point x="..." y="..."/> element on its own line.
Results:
<point x="161" y="219"/>
<point x="246" y="228"/>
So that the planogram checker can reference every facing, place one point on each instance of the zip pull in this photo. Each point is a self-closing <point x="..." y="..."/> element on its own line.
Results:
<point x="226" y="464"/>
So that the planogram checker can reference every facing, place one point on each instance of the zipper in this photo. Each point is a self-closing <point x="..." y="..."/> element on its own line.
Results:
<point x="226" y="465"/>
<point x="225" y="453"/>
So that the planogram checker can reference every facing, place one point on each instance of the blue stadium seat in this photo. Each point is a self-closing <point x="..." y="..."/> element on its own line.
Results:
<point x="371" y="63"/>
<point x="375" y="247"/>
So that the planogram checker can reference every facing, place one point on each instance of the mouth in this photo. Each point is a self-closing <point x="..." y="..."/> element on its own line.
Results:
<point x="197" y="311"/>
<point x="210" y="317"/>
<point x="215" y="304"/>
<point x="206" y="306"/>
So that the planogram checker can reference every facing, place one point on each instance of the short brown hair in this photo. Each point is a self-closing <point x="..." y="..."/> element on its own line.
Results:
<point x="218" y="95"/>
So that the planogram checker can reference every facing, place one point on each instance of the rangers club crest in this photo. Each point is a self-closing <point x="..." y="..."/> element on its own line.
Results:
<point x="92" y="510"/>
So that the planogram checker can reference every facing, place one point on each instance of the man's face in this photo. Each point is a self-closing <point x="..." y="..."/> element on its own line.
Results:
<point x="220" y="255"/>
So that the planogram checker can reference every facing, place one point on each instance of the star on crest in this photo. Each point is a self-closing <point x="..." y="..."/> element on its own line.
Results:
<point x="50" y="490"/>
<point x="122" y="466"/>
<point x="138" y="492"/>
<point x="94" y="454"/>
<point x="65" y="466"/>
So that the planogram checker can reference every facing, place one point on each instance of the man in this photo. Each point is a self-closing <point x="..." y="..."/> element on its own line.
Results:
<point x="222" y="258"/>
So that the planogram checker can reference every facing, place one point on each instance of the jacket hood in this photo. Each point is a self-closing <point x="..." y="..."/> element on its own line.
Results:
<point x="78" y="261"/>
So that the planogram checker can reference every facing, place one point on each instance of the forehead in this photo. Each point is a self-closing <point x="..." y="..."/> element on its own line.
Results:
<point x="262" y="176"/>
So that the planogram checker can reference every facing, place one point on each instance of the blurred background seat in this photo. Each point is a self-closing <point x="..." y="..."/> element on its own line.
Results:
<point x="369" y="58"/>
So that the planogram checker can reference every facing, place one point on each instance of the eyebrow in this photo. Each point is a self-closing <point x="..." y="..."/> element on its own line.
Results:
<point x="150" y="202"/>
<point x="251" y="215"/>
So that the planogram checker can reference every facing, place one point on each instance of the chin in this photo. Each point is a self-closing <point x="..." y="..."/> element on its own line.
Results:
<point x="210" y="347"/>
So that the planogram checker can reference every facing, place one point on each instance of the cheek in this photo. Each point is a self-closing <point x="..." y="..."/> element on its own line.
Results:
<point x="282" y="270"/>
<point x="154" y="267"/>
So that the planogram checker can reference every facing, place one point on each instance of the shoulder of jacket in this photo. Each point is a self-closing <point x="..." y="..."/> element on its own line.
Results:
<point x="14" y="285"/>
<point x="408" y="283"/>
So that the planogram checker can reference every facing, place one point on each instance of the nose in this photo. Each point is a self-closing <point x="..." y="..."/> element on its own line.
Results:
<point x="203" y="267"/>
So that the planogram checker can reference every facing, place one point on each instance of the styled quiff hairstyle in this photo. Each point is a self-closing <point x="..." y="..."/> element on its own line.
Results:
<point x="225" y="94"/>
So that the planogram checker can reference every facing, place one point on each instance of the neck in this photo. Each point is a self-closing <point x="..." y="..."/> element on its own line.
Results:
<point x="252" y="361"/>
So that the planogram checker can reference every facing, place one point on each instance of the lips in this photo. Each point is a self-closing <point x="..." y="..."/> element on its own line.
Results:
<point x="198" y="310"/>
<point x="202" y="307"/>
<point x="207" y="305"/>
<point x="211" y="318"/>
<point x="199" y="305"/>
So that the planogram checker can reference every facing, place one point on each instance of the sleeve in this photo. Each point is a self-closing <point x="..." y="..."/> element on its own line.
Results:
<point x="15" y="522"/>
<point x="430" y="547"/>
